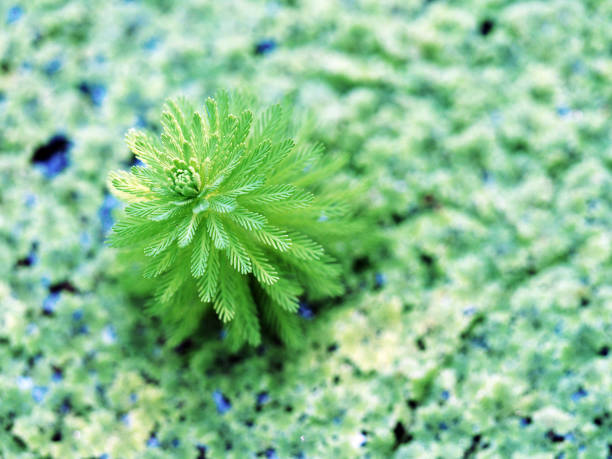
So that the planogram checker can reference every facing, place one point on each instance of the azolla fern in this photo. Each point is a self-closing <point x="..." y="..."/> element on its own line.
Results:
<point x="229" y="213"/>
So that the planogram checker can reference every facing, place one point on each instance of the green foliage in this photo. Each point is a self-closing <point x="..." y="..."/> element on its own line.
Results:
<point x="229" y="213"/>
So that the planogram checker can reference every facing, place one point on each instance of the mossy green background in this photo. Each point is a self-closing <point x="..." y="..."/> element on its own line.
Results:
<point x="483" y="330"/>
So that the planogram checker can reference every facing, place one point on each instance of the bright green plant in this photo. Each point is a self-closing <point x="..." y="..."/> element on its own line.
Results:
<point x="229" y="213"/>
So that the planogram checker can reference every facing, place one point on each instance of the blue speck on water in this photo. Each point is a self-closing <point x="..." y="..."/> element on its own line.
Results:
<point x="380" y="280"/>
<point x="581" y="448"/>
<point x="14" y="14"/>
<point x="141" y="122"/>
<point x="125" y="419"/>
<point x="570" y="437"/>
<point x="469" y="311"/>
<point x="265" y="46"/>
<point x="77" y="315"/>
<point x="563" y="111"/>
<point x="445" y="395"/>
<point x="105" y="212"/>
<point x="39" y="392"/>
<point x="151" y="44"/>
<point x="95" y="91"/>
<point x="223" y="334"/>
<point x="56" y="376"/>
<point x="104" y="456"/>
<point x="109" y="335"/>
<point x="55" y="165"/>
<point x="136" y="162"/>
<point x="153" y="442"/>
<point x="271" y="453"/>
<point x="222" y="403"/>
<point x="443" y="426"/>
<point x="133" y="397"/>
<point x="53" y="67"/>
<point x="52" y="157"/>
<point x="201" y="449"/>
<point x="30" y="200"/>
<point x="262" y="398"/>
<point x="98" y="93"/>
<point x="323" y="218"/>
<point x="176" y="443"/>
<point x="83" y="330"/>
<point x="65" y="408"/>
<point x="579" y="394"/>
<point x="50" y="302"/>
<point x="524" y="422"/>
<point x="304" y="311"/>
<point x="31" y="259"/>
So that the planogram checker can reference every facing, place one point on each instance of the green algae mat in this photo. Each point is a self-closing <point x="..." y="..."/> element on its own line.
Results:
<point x="480" y="326"/>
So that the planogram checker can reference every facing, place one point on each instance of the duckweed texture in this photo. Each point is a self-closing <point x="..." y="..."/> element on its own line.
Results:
<point x="484" y="329"/>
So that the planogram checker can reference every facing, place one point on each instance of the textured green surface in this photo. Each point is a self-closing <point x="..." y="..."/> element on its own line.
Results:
<point x="484" y="331"/>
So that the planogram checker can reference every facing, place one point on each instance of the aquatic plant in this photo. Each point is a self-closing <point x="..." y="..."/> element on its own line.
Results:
<point x="230" y="213"/>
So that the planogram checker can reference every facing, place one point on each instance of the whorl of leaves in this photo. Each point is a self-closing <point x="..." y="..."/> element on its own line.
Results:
<point x="229" y="213"/>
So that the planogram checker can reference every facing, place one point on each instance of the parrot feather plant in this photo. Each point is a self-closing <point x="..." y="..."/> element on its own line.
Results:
<point x="228" y="213"/>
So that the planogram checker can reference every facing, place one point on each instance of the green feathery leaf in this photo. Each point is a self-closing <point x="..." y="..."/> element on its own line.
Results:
<point x="230" y="214"/>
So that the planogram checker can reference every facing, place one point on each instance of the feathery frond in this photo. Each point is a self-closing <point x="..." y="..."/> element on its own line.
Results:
<point x="227" y="213"/>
